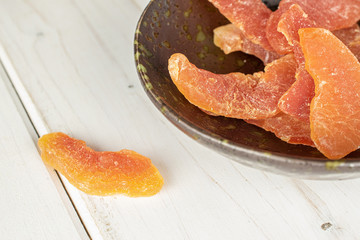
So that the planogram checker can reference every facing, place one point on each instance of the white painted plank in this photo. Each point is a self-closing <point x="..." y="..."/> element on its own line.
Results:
<point x="41" y="128"/>
<point x="30" y="205"/>
<point x="75" y="59"/>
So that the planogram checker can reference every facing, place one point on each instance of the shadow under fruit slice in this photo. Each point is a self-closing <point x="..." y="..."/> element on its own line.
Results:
<point x="351" y="38"/>
<point x="230" y="38"/>
<point x="100" y="173"/>
<point x="335" y="109"/>
<point x="234" y="95"/>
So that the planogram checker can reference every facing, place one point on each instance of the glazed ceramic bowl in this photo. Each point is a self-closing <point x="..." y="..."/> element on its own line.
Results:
<point x="186" y="26"/>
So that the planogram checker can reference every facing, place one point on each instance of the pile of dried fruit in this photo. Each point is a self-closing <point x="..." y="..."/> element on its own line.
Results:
<point x="309" y="92"/>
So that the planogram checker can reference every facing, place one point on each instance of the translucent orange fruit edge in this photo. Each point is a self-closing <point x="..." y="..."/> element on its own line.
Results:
<point x="100" y="173"/>
<point x="335" y="109"/>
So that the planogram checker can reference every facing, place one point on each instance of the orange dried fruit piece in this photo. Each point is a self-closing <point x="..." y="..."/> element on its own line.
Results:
<point x="291" y="21"/>
<point x="276" y="39"/>
<point x="345" y="15"/>
<point x="100" y="173"/>
<point x="230" y="38"/>
<point x="331" y="14"/>
<point x="296" y="101"/>
<point x="287" y="128"/>
<point x="248" y="15"/>
<point x="335" y="109"/>
<point x="234" y="95"/>
<point x="296" y="18"/>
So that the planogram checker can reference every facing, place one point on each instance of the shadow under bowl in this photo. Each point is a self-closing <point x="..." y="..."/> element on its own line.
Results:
<point x="168" y="27"/>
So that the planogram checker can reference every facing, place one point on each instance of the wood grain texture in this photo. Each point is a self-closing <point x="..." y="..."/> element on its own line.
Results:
<point x="30" y="205"/>
<point x="75" y="59"/>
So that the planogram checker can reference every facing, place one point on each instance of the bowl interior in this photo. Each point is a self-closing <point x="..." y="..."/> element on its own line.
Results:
<point x="168" y="27"/>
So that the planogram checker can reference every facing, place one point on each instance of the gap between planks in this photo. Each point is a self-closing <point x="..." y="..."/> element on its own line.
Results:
<point x="32" y="116"/>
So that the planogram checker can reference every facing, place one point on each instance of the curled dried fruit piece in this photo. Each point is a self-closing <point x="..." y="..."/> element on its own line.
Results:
<point x="296" y="101"/>
<point x="234" y="95"/>
<point x="100" y="173"/>
<point x="230" y="38"/>
<point x="331" y="14"/>
<point x="335" y="109"/>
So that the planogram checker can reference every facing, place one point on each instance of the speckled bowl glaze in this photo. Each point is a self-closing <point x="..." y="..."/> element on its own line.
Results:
<point x="167" y="27"/>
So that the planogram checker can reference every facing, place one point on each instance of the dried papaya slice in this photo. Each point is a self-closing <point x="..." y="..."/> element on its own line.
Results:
<point x="276" y="39"/>
<point x="248" y="15"/>
<point x="291" y="21"/>
<point x="332" y="15"/>
<point x="234" y="95"/>
<point x="335" y="109"/>
<point x="100" y="173"/>
<point x="231" y="39"/>
<point x="287" y="128"/>
<point x="296" y="18"/>
<point x="296" y="101"/>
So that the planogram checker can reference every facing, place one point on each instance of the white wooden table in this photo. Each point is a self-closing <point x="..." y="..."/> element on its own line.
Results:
<point x="69" y="67"/>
